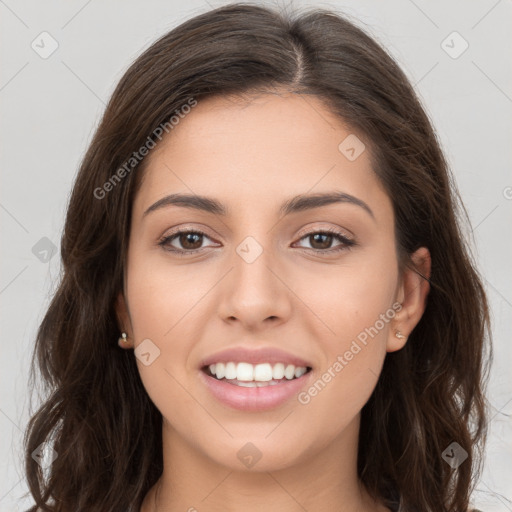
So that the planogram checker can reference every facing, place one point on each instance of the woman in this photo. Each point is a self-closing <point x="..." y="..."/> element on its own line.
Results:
<point x="266" y="297"/>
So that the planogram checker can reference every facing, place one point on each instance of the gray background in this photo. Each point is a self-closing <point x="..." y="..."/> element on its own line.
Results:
<point x="50" y="108"/>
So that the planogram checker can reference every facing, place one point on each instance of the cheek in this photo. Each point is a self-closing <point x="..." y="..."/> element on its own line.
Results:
<point x="158" y="302"/>
<point x="354" y="303"/>
<point x="343" y="385"/>
<point x="348" y="297"/>
<point x="161" y="295"/>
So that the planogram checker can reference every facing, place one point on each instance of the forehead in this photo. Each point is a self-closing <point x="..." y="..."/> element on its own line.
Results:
<point x="263" y="148"/>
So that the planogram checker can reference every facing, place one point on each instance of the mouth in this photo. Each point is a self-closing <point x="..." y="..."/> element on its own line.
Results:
<point x="255" y="380"/>
<point x="254" y="395"/>
<point x="235" y="387"/>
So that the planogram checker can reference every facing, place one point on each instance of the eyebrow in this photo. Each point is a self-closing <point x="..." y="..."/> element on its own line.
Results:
<point x="295" y="204"/>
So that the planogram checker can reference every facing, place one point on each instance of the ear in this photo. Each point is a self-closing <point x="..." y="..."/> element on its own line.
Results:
<point x="124" y="322"/>
<point x="412" y="294"/>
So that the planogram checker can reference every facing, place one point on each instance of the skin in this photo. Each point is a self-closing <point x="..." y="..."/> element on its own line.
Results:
<point x="252" y="156"/>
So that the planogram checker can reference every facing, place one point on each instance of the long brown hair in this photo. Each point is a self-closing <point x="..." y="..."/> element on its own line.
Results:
<point x="97" y="416"/>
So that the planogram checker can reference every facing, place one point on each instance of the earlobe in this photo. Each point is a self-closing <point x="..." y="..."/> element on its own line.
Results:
<point x="413" y="291"/>
<point x="123" y="322"/>
<point x="396" y="340"/>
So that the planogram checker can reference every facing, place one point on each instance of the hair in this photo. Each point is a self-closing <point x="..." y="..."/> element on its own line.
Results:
<point x="97" y="415"/>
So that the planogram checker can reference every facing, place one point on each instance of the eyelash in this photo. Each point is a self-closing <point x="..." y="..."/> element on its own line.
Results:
<point x="347" y="243"/>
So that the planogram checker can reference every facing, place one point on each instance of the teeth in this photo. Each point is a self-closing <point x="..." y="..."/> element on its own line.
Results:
<point x="250" y="375"/>
<point x="230" y="371"/>
<point x="278" y="371"/>
<point x="299" y="371"/>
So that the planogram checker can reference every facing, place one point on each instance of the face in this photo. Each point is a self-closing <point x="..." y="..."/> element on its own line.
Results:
<point x="319" y="283"/>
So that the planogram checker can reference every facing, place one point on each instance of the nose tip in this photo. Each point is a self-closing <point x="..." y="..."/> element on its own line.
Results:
<point x="255" y="294"/>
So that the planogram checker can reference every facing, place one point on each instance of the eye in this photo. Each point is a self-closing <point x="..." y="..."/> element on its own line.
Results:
<point x="189" y="240"/>
<point x="323" y="239"/>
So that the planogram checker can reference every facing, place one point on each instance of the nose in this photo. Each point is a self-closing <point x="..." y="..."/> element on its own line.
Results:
<point x="256" y="292"/>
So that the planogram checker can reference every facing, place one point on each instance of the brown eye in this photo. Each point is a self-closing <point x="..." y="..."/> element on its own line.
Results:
<point x="321" y="241"/>
<point x="184" y="242"/>
<point x="190" y="240"/>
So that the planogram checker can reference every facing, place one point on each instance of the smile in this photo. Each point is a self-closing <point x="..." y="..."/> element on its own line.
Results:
<point x="259" y="387"/>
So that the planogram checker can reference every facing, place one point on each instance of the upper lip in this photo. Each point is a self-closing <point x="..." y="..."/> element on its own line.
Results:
<point x="240" y="354"/>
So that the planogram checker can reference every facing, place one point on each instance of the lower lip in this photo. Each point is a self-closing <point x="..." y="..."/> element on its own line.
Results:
<point x="254" y="399"/>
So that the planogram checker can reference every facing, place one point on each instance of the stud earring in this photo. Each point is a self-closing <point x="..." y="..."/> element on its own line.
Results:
<point x="123" y="338"/>
<point x="399" y="335"/>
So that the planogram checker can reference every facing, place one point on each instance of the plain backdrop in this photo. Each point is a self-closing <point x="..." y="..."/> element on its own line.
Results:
<point x="50" y="107"/>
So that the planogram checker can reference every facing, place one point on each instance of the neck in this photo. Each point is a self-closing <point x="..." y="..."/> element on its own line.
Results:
<point x="324" y="480"/>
